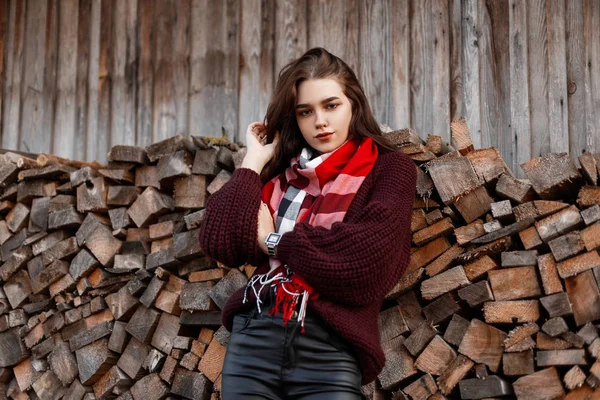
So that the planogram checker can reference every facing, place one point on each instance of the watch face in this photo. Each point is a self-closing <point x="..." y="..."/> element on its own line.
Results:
<point x="273" y="238"/>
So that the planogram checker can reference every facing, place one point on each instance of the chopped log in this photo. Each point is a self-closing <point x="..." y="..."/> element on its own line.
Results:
<point x="461" y="138"/>
<point x="553" y="176"/>
<point x="426" y="235"/>
<point x="538" y="209"/>
<point x="103" y="245"/>
<point x="443" y="262"/>
<point x="49" y="275"/>
<point x="420" y="338"/>
<point x="441" y="309"/>
<point x="48" y="386"/>
<point x="589" y="168"/>
<point x="168" y="146"/>
<point x="591" y="215"/>
<point x="94" y="360"/>
<point x="444" y="175"/>
<point x="17" y="218"/>
<point x="560" y="357"/>
<point x="578" y="264"/>
<point x="584" y="297"/>
<point x="479" y="267"/>
<point x="426" y="254"/>
<point x="190" y="192"/>
<point x="133" y="357"/>
<point x="219" y="181"/>
<point x="514" y="283"/>
<point x="150" y="387"/>
<point x="549" y="274"/>
<point x="147" y="176"/>
<point x="149" y="205"/>
<point x="499" y="312"/>
<point x="418" y="220"/>
<point x="476" y="294"/>
<point x="423" y="388"/>
<point x="474" y="204"/>
<point x="391" y="324"/>
<point x="190" y="385"/>
<point x="588" y="196"/>
<point x="574" y="378"/>
<point x="172" y="166"/>
<point x="119" y="218"/>
<point x="544" y="384"/>
<point x="492" y="226"/>
<point x="399" y="365"/>
<point x="590" y="237"/>
<point x="91" y="335"/>
<point x="133" y="154"/>
<point x="566" y="246"/>
<point x="411" y="310"/>
<point x="488" y="249"/>
<point x="112" y="381"/>
<point x="12" y="349"/>
<point x="490" y="387"/>
<point x="91" y="196"/>
<point x="519" y="258"/>
<point x="63" y="363"/>
<point x="518" y="364"/>
<point x="555" y="326"/>
<point x="122" y="195"/>
<point x="436" y="357"/>
<point x="488" y="352"/>
<point x="488" y="165"/>
<point x="559" y="223"/>
<point x="143" y="323"/>
<point x="15" y="262"/>
<point x="514" y="190"/>
<point x="557" y="305"/>
<point x="469" y="232"/>
<point x="122" y="304"/>
<point x="455" y="372"/>
<point x="56" y="171"/>
<point x="446" y="281"/>
<point x="221" y="292"/>
<point x="205" y="162"/>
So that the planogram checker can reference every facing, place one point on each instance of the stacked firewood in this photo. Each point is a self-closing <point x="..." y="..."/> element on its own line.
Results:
<point x="501" y="295"/>
<point x="105" y="291"/>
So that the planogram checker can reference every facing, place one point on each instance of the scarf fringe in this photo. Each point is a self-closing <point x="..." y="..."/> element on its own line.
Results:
<point x="289" y="287"/>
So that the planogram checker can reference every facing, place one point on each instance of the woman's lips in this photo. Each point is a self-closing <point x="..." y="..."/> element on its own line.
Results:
<point x="325" y="137"/>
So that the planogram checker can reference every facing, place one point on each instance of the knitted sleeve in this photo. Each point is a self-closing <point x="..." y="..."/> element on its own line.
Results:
<point x="229" y="231"/>
<point x="357" y="260"/>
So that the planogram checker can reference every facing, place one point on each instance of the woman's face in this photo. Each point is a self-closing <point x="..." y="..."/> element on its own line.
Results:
<point x="323" y="113"/>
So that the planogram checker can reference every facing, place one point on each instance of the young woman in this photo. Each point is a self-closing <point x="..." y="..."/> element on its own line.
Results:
<point x="322" y="206"/>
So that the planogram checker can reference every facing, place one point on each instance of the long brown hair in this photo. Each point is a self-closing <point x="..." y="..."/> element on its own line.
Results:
<point x="316" y="63"/>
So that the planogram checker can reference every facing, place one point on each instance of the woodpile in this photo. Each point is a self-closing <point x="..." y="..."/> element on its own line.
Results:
<point x="501" y="297"/>
<point x="105" y="292"/>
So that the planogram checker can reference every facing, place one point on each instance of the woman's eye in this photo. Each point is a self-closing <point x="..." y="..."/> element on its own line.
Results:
<point x="304" y="113"/>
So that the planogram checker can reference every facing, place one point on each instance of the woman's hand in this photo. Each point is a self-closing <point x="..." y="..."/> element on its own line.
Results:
<point x="259" y="152"/>
<point x="265" y="226"/>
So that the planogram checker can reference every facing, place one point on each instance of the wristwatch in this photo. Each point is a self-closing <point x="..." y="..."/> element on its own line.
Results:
<point x="272" y="241"/>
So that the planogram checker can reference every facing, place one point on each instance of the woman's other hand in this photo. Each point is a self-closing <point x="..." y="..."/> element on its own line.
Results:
<point x="265" y="226"/>
<point x="259" y="152"/>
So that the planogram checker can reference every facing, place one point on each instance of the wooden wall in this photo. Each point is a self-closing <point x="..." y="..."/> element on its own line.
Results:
<point x="81" y="75"/>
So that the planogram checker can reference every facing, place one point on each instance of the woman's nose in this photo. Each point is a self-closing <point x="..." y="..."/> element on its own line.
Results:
<point x="321" y="120"/>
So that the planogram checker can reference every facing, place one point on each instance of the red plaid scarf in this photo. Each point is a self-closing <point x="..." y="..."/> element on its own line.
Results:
<point x="330" y="188"/>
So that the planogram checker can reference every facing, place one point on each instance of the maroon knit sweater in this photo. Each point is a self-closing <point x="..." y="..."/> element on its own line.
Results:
<point x="352" y="266"/>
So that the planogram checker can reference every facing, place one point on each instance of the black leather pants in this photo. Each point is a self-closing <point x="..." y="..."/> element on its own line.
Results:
<point x="267" y="360"/>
